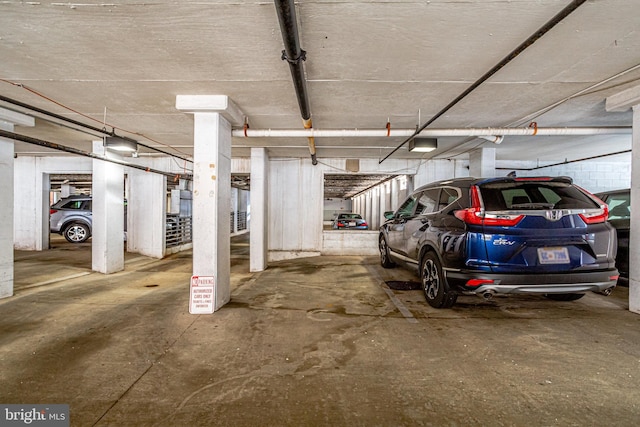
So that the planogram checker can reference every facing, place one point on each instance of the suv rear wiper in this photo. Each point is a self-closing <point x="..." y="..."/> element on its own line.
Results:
<point x="532" y="206"/>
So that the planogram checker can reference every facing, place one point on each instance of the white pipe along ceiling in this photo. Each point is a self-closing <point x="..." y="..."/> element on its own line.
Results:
<point x="375" y="133"/>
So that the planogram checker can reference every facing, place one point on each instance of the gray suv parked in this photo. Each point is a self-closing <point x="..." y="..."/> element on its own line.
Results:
<point x="71" y="217"/>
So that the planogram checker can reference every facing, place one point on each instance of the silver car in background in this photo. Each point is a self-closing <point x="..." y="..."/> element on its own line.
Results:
<point x="71" y="217"/>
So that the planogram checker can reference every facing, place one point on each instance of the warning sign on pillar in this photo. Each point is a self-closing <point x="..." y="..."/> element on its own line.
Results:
<point x="202" y="295"/>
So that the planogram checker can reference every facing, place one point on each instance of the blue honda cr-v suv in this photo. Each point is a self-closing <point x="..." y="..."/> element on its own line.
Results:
<point x="539" y="235"/>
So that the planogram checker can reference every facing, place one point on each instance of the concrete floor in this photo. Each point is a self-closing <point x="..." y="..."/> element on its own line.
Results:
<point x="317" y="341"/>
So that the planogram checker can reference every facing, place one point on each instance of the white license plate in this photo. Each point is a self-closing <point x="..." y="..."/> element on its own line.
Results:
<point x="553" y="256"/>
<point x="352" y="223"/>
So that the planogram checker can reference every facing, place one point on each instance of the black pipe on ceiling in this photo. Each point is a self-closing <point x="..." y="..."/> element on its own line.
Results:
<point x="517" y="51"/>
<point x="101" y="132"/>
<point x="295" y="56"/>
<point x="566" y="162"/>
<point x="71" y="150"/>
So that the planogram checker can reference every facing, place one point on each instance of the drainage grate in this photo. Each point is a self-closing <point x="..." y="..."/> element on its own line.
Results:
<point x="398" y="285"/>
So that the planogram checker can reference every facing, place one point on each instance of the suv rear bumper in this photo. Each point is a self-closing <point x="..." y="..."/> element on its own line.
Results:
<point x="563" y="283"/>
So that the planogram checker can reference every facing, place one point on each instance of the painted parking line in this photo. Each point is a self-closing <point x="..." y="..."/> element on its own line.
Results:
<point x="56" y="280"/>
<point x="399" y="305"/>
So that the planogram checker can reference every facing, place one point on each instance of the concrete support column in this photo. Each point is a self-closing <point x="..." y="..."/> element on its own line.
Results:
<point x="146" y="213"/>
<point x="6" y="212"/>
<point x="234" y="210"/>
<point x="31" y="204"/>
<point x="634" y="235"/>
<point x="258" y="248"/>
<point x="387" y="197"/>
<point x="482" y="163"/>
<point x="243" y="206"/>
<point x="623" y="101"/>
<point x="395" y="202"/>
<point x="410" y="185"/>
<point x="8" y="120"/>
<point x="383" y="202"/>
<point x="211" y="202"/>
<point x="213" y="116"/>
<point x="67" y="190"/>
<point x="375" y="208"/>
<point x="107" y="193"/>
<point x="368" y="206"/>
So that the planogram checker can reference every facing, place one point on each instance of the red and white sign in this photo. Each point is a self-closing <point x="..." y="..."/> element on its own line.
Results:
<point x="202" y="295"/>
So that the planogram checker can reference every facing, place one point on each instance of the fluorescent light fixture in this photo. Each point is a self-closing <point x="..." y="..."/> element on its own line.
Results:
<point x="423" y="145"/>
<point x="121" y="144"/>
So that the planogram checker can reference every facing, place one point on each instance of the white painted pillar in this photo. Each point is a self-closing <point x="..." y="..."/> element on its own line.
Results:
<point x="387" y="196"/>
<point x="234" y="210"/>
<point x="8" y="120"/>
<point x="410" y="185"/>
<point x="368" y="206"/>
<point x="213" y="117"/>
<point x="482" y="162"/>
<point x="67" y="190"/>
<point x="6" y="212"/>
<point x="258" y="248"/>
<point x="107" y="193"/>
<point x="383" y="202"/>
<point x="146" y="213"/>
<point x="31" y="205"/>
<point x="243" y="206"/>
<point x="375" y="209"/>
<point x="634" y="234"/>
<point x="623" y="101"/>
<point x="395" y="190"/>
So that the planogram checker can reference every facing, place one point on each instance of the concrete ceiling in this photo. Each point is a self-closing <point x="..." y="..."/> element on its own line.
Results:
<point x="121" y="65"/>
<point x="344" y="186"/>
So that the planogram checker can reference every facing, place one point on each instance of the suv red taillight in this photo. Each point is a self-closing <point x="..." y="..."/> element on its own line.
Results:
<point x="52" y="211"/>
<point x="596" y="217"/>
<point x="601" y="215"/>
<point x="475" y="215"/>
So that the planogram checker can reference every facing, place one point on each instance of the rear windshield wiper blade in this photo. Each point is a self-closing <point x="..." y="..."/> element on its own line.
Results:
<point x="532" y="206"/>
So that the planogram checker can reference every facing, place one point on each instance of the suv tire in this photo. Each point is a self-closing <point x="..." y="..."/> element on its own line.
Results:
<point x="76" y="233"/>
<point x="385" y="260"/>
<point x="434" y="284"/>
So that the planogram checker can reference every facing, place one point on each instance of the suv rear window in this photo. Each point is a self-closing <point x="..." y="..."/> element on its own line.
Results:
<point x="502" y="196"/>
<point x="349" y="216"/>
<point x="73" y="204"/>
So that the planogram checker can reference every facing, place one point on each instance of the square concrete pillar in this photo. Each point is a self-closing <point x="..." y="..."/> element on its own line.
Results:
<point x="482" y="163"/>
<point x="258" y="247"/>
<point x="634" y="235"/>
<point x="623" y="101"/>
<point x="213" y="116"/>
<point x="146" y="213"/>
<point x="8" y="120"/>
<point x="31" y="204"/>
<point x="234" y="210"/>
<point x="6" y="212"/>
<point x="107" y="193"/>
<point x="395" y="190"/>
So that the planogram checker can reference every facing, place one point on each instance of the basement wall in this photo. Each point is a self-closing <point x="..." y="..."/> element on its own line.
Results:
<point x="610" y="173"/>
<point x="31" y="196"/>
<point x="296" y="196"/>
<point x="296" y="202"/>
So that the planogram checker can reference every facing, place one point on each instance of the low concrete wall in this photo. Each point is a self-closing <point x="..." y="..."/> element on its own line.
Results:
<point x="356" y="242"/>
